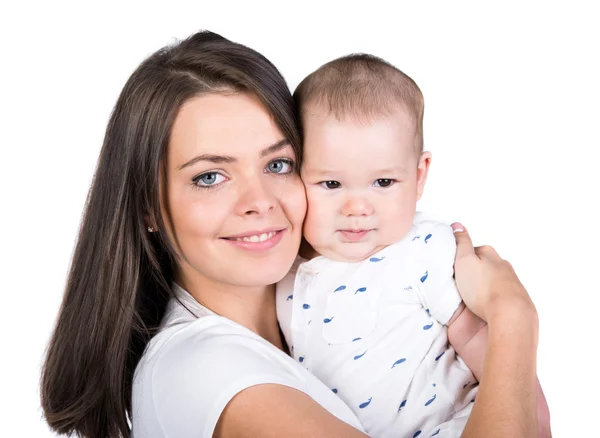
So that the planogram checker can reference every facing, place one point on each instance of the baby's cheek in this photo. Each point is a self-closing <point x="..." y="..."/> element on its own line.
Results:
<point x="397" y="224"/>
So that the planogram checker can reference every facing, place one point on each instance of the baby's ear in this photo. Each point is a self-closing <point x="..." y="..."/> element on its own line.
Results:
<point x="422" y="171"/>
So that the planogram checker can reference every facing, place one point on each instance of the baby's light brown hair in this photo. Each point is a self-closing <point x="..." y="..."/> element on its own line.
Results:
<point x="362" y="87"/>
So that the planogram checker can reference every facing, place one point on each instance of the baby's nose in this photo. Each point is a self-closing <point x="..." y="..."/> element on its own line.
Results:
<point x="357" y="206"/>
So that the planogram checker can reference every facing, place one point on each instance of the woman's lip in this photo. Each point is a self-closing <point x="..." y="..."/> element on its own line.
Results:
<point x="257" y="246"/>
<point x="255" y="233"/>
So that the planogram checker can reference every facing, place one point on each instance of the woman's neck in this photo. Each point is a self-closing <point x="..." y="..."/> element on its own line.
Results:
<point x="251" y="307"/>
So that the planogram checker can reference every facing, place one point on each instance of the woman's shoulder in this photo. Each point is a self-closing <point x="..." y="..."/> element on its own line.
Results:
<point x="206" y="341"/>
<point x="191" y="370"/>
<point x="194" y="333"/>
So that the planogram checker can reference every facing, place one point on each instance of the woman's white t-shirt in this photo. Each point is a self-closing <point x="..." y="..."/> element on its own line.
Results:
<point x="198" y="362"/>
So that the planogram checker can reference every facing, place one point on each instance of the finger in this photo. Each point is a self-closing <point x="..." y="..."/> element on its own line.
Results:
<point x="464" y="245"/>
<point x="487" y="251"/>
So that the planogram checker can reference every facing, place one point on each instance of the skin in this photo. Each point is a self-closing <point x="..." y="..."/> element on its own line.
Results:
<point x="508" y="385"/>
<point x="231" y="173"/>
<point x="235" y="280"/>
<point x="472" y="338"/>
<point x="367" y="177"/>
<point x="360" y="176"/>
<point x="505" y="405"/>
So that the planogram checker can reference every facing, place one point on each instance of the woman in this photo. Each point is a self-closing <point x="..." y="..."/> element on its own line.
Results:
<point x="195" y="211"/>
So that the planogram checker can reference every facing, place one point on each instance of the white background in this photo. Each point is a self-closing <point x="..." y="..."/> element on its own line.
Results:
<point x="512" y="118"/>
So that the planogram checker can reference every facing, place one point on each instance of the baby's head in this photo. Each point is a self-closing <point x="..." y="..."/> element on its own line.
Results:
<point x="364" y="167"/>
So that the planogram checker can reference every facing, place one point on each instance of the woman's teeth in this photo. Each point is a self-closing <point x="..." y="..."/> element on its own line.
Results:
<point x="256" y="238"/>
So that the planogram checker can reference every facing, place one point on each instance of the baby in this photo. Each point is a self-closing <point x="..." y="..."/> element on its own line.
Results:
<point x="371" y="314"/>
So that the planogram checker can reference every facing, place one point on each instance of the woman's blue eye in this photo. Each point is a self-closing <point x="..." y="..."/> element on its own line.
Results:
<point x="281" y="166"/>
<point x="383" y="182"/>
<point x="209" y="179"/>
<point x="330" y="184"/>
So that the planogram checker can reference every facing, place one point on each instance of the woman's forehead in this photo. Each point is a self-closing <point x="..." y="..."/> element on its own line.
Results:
<point x="221" y="124"/>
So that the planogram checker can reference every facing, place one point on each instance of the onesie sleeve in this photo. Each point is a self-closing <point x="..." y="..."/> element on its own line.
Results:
<point x="437" y="249"/>
<point x="195" y="378"/>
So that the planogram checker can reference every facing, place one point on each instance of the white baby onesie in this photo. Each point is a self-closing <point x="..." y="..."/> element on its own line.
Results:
<point x="374" y="332"/>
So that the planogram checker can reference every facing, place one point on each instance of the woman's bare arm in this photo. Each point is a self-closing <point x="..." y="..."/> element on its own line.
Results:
<point x="469" y="336"/>
<point x="506" y="403"/>
<point x="279" y="411"/>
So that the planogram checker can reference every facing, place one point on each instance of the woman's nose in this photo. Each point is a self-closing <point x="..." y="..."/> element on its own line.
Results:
<point x="257" y="198"/>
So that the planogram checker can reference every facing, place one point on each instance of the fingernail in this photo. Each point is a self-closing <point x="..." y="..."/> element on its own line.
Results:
<point x="457" y="227"/>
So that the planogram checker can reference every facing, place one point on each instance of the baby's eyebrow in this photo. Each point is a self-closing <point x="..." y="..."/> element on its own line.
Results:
<point x="319" y="172"/>
<point x="393" y="170"/>
<point x="396" y="170"/>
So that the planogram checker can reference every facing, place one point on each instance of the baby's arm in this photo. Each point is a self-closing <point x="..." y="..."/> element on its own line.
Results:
<point x="467" y="334"/>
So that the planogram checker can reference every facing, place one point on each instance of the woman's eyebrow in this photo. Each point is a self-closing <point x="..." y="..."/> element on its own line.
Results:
<point x="282" y="144"/>
<point x="209" y="157"/>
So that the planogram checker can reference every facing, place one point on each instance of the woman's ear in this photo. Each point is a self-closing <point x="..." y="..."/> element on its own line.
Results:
<point x="422" y="171"/>
<point x="150" y="224"/>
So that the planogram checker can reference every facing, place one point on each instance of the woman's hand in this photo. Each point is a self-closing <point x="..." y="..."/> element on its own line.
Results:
<point x="507" y="401"/>
<point x="487" y="284"/>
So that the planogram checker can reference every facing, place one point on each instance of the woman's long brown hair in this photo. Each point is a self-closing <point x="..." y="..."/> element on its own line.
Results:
<point x="121" y="275"/>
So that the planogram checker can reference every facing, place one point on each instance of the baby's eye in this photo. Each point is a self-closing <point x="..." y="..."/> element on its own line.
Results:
<point x="384" y="182"/>
<point x="281" y="166"/>
<point x="330" y="184"/>
<point x="208" y="179"/>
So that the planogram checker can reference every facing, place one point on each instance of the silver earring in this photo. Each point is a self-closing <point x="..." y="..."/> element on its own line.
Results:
<point x="150" y="230"/>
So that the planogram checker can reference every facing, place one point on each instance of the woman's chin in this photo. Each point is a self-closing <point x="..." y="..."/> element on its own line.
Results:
<point x="266" y="275"/>
<point x="256" y="272"/>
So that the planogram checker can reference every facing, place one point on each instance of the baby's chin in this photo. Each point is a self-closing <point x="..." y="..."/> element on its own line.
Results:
<point x="349" y="252"/>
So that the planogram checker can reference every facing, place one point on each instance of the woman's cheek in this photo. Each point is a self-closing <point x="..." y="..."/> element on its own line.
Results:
<point x="295" y="202"/>
<point x="318" y="219"/>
